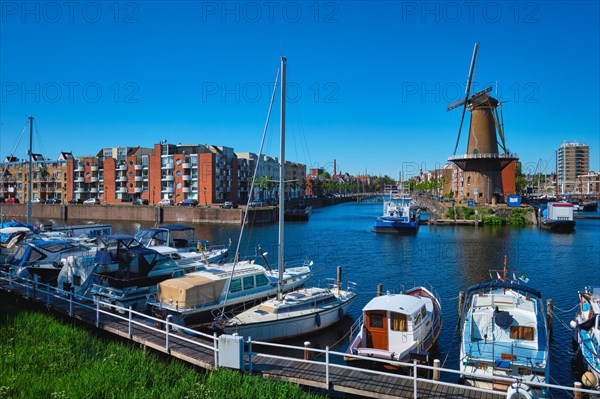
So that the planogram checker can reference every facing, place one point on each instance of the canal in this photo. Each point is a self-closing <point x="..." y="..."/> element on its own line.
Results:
<point x="449" y="258"/>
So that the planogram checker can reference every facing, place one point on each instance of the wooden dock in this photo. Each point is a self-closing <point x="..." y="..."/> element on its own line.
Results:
<point x="202" y="350"/>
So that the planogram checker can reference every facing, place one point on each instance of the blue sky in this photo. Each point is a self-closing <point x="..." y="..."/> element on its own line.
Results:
<point x="368" y="82"/>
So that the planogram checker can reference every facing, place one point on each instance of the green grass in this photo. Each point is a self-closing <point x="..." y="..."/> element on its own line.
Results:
<point x="42" y="358"/>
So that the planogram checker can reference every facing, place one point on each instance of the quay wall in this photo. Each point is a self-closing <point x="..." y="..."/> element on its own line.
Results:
<point x="167" y="214"/>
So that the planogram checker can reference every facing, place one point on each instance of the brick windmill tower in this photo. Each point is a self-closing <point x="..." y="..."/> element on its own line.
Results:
<point x="482" y="164"/>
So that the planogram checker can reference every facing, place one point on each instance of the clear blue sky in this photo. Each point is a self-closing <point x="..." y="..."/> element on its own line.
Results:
<point x="368" y="82"/>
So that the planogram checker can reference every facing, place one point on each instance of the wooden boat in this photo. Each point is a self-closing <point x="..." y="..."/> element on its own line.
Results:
<point x="397" y="326"/>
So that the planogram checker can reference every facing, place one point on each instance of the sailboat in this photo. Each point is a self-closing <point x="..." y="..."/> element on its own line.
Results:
<point x="299" y="312"/>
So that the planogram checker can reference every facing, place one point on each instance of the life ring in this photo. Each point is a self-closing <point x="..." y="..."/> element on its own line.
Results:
<point x="519" y="390"/>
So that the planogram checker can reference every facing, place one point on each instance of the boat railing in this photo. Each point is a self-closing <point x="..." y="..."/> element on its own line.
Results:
<point x="104" y="313"/>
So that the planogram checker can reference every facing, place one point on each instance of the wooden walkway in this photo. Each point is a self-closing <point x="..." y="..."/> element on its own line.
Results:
<point x="200" y="351"/>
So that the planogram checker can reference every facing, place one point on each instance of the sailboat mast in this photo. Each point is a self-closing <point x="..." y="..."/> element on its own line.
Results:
<point x="281" y="179"/>
<point x="30" y="175"/>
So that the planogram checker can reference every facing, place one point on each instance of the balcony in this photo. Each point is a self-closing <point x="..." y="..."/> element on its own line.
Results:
<point x="94" y="179"/>
<point x="121" y="190"/>
<point x="168" y="190"/>
<point x="186" y="165"/>
<point x="122" y="179"/>
<point x="93" y="190"/>
<point x="139" y="167"/>
<point x="138" y="190"/>
<point x="139" y="178"/>
<point x="168" y="178"/>
<point x="79" y="180"/>
<point x="168" y="166"/>
<point x="122" y="167"/>
<point x="186" y="190"/>
<point x="186" y="178"/>
<point x="78" y="169"/>
<point x="79" y="190"/>
<point x="94" y="168"/>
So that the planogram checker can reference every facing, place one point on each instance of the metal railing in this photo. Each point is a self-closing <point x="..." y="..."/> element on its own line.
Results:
<point x="104" y="311"/>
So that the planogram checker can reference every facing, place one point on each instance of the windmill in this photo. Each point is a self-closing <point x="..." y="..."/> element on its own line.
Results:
<point x="482" y="164"/>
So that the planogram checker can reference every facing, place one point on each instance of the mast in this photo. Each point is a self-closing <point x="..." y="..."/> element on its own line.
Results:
<point x="281" y="178"/>
<point x="30" y="175"/>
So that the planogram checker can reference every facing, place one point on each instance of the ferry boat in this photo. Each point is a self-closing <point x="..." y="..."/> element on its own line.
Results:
<point x="558" y="217"/>
<point x="398" y="216"/>
<point x="397" y="326"/>
<point x="587" y="335"/>
<point x="504" y="334"/>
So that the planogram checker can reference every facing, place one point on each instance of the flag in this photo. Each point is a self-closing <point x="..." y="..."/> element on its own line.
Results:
<point x="514" y="277"/>
<point x="523" y="278"/>
<point x="499" y="277"/>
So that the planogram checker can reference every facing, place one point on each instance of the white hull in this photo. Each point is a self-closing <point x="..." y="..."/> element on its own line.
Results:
<point x="289" y="327"/>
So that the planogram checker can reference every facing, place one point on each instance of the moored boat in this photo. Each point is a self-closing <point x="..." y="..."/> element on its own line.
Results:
<point x="398" y="215"/>
<point x="587" y="335"/>
<point x="558" y="217"/>
<point x="504" y="334"/>
<point x="397" y="326"/>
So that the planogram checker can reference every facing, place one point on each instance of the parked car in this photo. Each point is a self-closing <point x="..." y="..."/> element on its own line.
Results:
<point x="188" y="202"/>
<point x="91" y="201"/>
<point x="37" y="201"/>
<point x="165" y="202"/>
<point x="52" y="201"/>
<point x="140" y="201"/>
<point x="229" y="205"/>
<point x="76" y="201"/>
<point x="12" y="201"/>
<point x="256" y="204"/>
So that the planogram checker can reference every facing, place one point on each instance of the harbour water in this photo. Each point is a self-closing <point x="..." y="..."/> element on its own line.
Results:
<point x="449" y="258"/>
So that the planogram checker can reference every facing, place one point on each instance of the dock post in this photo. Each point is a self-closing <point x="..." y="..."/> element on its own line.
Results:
<point x="415" y="372"/>
<point x="70" y="301"/>
<point x="327" y="367"/>
<point x="550" y="306"/>
<point x="250" y="355"/>
<point x="167" y="328"/>
<point x="461" y="303"/>
<point x="577" y="392"/>
<point x="48" y="295"/>
<point x="339" y="278"/>
<point x="436" y="369"/>
<point x="379" y="289"/>
<point x="129" y="333"/>
<point x="98" y="312"/>
<point x="216" y="350"/>
<point x="306" y="346"/>
<point x="35" y="279"/>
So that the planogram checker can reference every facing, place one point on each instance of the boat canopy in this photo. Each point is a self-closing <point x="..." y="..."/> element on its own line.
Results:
<point x="176" y="227"/>
<point x="190" y="290"/>
<point x="500" y="284"/>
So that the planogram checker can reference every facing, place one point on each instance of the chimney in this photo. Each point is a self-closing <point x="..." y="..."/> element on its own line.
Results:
<point x="334" y="167"/>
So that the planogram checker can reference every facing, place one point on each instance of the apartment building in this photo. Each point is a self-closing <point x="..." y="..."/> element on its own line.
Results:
<point x="572" y="161"/>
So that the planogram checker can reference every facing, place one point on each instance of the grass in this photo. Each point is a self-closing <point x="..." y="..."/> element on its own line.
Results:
<point x="42" y="358"/>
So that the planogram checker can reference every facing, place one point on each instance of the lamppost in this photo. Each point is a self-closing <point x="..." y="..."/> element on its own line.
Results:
<point x="153" y="191"/>
<point x="205" y="203"/>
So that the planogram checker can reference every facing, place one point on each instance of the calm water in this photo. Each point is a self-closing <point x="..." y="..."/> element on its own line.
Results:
<point x="449" y="258"/>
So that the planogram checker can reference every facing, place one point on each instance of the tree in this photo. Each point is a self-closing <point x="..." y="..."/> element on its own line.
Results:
<point x="325" y="175"/>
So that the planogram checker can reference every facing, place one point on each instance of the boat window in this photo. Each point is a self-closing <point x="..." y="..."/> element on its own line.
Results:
<point x="375" y="320"/>
<point x="35" y="256"/>
<point x="522" y="332"/>
<point x="261" y="280"/>
<point x="417" y="319"/>
<point x="248" y="282"/>
<point x="57" y="247"/>
<point x="398" y="322"/>
<point x="236" y="285"/>
<point x="423" y="312"/>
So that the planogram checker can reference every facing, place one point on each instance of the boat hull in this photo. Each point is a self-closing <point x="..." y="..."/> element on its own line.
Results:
<point x="396" y="227"/>
<point x="292" y="327"/>
<point x="558" y="226"/>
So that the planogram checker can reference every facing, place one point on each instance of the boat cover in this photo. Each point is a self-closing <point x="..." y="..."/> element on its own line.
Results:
<point x="189" y="291"/>
<point x="499" y="284"/>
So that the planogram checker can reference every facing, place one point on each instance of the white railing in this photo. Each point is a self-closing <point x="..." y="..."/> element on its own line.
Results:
<point x="104" y="310"/>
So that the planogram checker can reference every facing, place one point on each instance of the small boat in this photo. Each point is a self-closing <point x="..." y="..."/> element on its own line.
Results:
<point x="398" y="215"/>
<point x="193" y="298"/>
<point x="397" y="326"/>
<point x="178" y="242"/>
<point x="587" y="335"/>
<point x="12" y="233"/>
<point x="558" y="217"/>
<point x="42" y="257"/>
<point x="296" y="313"/>
<point x="504" y="334"/>
<point x="589" y="206"/>
<point x="127" y="273"/>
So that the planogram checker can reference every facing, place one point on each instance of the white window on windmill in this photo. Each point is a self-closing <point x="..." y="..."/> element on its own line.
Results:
<point x="469" y="181"/>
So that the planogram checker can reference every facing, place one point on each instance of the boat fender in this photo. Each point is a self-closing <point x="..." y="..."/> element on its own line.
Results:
<point x="519" y="391"/>
<point x="318" y="320"/>
<point x="573" y="324"/>
<point x="589" y="380"/>
<point x="340" y="314"/>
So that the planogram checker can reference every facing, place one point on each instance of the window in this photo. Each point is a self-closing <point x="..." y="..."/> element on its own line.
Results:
<point x="375" y="320"/>
<point x="398" y="322"/>
<point x="261" y="280"/>
<point x="236" y="285"/>
<point x="248" y="282"/>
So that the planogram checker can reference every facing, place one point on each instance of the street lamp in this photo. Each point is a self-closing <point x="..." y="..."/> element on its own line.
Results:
<point x="205" y="203"/>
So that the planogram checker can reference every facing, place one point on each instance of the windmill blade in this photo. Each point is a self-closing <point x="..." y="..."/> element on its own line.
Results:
<point x="456" y="104"/>
<point x="467" y="91"/>
<point x="460" y="127"/>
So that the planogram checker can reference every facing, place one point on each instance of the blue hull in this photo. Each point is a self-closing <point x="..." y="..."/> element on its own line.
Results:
<point x="386" y="226"/>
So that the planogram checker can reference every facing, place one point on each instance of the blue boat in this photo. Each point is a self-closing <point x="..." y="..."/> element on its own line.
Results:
<point x="398" y="216"/>
<point x="587" y="335"/>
